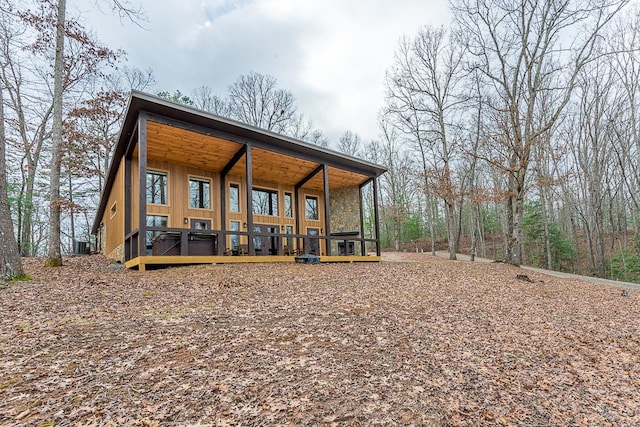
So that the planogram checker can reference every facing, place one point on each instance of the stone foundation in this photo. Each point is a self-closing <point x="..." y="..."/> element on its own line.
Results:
<point x="117" y="254"/>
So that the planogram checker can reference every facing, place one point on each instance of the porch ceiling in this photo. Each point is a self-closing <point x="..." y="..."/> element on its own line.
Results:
<point x="176" y="145"/>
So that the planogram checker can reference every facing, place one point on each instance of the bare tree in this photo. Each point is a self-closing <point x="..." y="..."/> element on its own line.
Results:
<point x="624" y="40"/>
<point x="138" y="79"/>
<point x="424" y="97"/>
<point x="30" y="116"/>
<point x="255" y="99"/>
<point x="205" y="99"/>
<point x="73" y="30"/>
<point x="54" y="257"/>
<point x="524" y="49"/>
<point x="317" y="137"/>
<point x="397" y="186"/>
<point x="591" y="148"/>
<point x="350" y="143"/>
<point x="10" y="263"/>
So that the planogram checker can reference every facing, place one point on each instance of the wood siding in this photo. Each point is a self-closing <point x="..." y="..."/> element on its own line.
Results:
<point x="113" y="223"/>
<point x="177" y="207"/>
<point x="280" y="219"/>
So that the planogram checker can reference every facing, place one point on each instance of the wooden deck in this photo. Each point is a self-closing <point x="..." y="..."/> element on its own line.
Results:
<point x="142" y="262"/>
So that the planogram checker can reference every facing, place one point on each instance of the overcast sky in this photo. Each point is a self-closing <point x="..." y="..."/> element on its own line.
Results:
<point x="331" y="54"/>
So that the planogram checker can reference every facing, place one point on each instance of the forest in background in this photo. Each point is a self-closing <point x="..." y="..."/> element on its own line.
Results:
<point x="512" y="134"/>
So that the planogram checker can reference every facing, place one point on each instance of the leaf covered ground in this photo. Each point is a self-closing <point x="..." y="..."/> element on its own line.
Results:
<point x="424" y="342"/>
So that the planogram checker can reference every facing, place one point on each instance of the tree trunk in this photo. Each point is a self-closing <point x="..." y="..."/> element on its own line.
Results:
<point x="26" y="248"/>
<point x="54" y="256"/>
<point x="574" y="235"/>
<point x="451" y="230"/>
<point x="473" y="231"/>
<point x="72" y="214"/>
<point x="508" y="234"/>
<point x="10" y="262"/>
<point x="432" y="224"/>
<point x="546" y="231"/>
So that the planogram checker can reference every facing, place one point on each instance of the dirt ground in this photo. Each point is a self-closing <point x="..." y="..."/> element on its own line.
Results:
<point x="426" y="341"/>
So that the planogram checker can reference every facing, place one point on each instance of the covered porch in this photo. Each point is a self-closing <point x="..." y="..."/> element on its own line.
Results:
<point x="198" y="188"/>
<point x="179" y="246"/>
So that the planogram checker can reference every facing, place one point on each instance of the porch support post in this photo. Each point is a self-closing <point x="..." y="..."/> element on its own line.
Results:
<point x="249" y="175"/>
<point x="375" y="214"/>
<point x="127" y="206"/>
<point x="327" y="216"/>
<point x="142" y="184"/>
<point x="296" y="196"/>
<point x="222" y="239"/>
<point x="363" y="245"/>
<point x="128" y="195"/>
<point x="296" y="203"/>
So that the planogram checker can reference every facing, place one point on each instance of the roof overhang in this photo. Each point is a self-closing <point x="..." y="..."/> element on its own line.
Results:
<point x="194" y="121"/>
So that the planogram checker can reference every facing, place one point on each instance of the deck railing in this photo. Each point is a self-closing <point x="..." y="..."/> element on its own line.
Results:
<point x="185" y="241"/>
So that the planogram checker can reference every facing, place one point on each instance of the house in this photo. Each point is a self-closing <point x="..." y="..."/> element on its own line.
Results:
<point x="186" y="186"/>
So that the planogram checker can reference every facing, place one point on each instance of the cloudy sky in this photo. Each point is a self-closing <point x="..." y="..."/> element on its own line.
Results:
<point x="331" y="54"/>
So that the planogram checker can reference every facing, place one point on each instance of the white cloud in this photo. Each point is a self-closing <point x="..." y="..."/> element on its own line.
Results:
<point x="331" y="54"/>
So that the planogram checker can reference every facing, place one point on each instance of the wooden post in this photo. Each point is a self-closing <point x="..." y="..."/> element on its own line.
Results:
<point x="142" y="184"/>
<point x="127" y="205"/>
<point x="375" y="214"/>
<point x="222" y="238"/>
<point x="363" y="244"/>
<point x="223" y="197"/>
<point x="249" y="175"/>
<point x="327" y="216"/>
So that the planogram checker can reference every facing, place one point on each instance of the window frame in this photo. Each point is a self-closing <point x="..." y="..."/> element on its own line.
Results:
<point x="201" y="180"/>
<point x="158" y="172"/>
<point x="271" y="193"/>
<point x="237" y="187"/>
<point x="306" y="207"/>
<point x="288" y="204"/>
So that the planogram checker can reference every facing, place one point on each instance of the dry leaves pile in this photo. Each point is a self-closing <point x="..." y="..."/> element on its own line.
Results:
<point x="426" y="342"/>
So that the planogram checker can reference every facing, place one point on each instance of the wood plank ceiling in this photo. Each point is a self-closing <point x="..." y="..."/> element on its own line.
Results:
<point x="176" y="145"/>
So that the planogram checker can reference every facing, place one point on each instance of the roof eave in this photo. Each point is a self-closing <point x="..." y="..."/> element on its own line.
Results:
<point x="140" y="101"/>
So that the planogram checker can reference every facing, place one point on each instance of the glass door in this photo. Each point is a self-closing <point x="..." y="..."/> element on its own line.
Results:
<point x="312" y="245"/>
<point x="268" y="240"/>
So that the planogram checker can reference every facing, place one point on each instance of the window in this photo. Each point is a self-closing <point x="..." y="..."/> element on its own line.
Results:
<point x="200" y="224"/>
<point x="157" y="187"/>
<point x="289" y="230"/>
<point x="234" y="198"/>
<point x="235" y="239"/>
<point x="155" y="221"/>
<point x="288" y="212"/>
<point x="113" y="211"/>
<point x="199" y="193"/>
<point x="265" y="202"/>
<point x="311" y="207"/>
